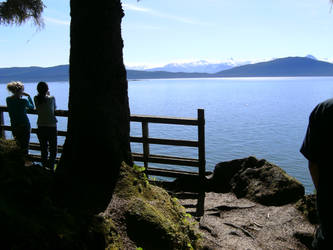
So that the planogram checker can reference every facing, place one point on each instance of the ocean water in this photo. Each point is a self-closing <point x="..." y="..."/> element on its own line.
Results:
<point x="262" y="117"/>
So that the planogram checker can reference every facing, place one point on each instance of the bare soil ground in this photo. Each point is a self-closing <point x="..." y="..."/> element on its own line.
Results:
<point x="231" y="223"/>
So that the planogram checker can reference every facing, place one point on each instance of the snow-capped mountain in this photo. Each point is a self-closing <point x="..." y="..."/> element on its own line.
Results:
<point x="311" y="57"/>
<point x="279" y="67"/>
<point x="201" y="66"/>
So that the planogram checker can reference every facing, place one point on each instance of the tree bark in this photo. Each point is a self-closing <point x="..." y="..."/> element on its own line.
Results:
<point x="98" y="123"/>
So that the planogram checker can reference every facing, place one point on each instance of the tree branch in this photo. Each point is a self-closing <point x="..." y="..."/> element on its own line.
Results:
<point x="19" y="11"/>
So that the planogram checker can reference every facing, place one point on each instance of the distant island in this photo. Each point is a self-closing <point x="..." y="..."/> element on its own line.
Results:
<point x="282" y="67"/>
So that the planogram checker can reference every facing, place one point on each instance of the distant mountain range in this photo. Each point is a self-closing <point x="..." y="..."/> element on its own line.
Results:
<point x="32" y="74"/>
<point x="288" y="66"/>
<point x="201" y="66"/>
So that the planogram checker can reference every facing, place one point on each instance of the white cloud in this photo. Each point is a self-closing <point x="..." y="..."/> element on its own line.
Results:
<point x="57" y="21"/>
<point x="142" y="66"/>
<point x="152" y="12"/>
<point x="135" y="8"/>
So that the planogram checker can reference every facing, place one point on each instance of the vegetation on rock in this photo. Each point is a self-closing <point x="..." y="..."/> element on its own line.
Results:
<point x="153" y="219"/>
<point x="140" y="214"/>
<point x="307" y="205"/>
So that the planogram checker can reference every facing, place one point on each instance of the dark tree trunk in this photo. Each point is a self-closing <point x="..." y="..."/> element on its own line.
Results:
<point x="98" y="123"/>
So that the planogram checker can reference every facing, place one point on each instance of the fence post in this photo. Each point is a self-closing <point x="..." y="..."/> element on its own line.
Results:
<point x="145" y="135"/>
<point x="2" y="123"/>
<point x="202" y="161"/>
<point x="201" y="139"/>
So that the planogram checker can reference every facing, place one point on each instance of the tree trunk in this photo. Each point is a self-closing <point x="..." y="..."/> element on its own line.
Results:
<point x="98" y="123"/>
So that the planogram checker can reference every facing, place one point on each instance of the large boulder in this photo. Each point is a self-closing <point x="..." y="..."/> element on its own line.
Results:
<point x="225" y="171"/>
<point x="257" y="180"/>
<point x="151" y="218"/>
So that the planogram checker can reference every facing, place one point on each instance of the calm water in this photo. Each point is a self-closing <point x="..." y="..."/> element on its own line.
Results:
<point x="264" y="117"/>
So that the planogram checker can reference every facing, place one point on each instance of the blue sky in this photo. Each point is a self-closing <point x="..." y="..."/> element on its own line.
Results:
<point x="157" y="32"/>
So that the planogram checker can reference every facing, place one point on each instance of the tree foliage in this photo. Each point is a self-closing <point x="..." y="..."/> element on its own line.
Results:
<point x="20" y="11"/>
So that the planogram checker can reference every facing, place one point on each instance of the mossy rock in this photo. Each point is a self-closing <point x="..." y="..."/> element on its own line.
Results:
<point x="154" y="220"/>
<point x="307" y="205"/>
<point x="31" y="219"/>
<point x="257" y="180"/>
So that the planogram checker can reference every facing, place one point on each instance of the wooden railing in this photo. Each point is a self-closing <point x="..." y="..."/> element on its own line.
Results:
<point x="147" y="158"/>
<point x="33" y="146"/>
<point x="146" y="141"/>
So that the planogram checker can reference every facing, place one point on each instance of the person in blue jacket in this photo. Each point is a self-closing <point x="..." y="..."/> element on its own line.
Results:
<point x="17" y="109"/>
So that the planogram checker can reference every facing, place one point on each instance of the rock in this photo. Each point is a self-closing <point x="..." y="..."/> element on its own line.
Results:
<point x="152" y="218"/>
<point x="225" y="171"/>
<point x="256" y="180"/>
<point x="307" y="205"/>
<point x="305" y="238"/>
<point x="28" y="215"/>
<point x="140" y="215"/>
<point x="187" y="184"/>
<point x="10" y="155"/>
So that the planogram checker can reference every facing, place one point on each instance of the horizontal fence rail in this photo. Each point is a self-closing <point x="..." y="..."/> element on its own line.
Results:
<point x="145" y="157"/>
<point x="198" y="163"/>
<point x="165" y="120"/>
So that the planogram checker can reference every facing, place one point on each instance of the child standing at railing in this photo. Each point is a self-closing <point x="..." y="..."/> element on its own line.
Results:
<point x="17" y="109"/>
<point x="47" y="125"/>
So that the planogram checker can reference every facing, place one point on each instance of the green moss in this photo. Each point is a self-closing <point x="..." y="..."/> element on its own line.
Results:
<point x="31" y="220"/>
<point x="105" y="228"/>
<point x="307" y="205"/>
<point x="154" y="219"/>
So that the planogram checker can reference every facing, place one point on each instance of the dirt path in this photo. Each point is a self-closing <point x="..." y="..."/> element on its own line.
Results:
<point x="231" y="223"/>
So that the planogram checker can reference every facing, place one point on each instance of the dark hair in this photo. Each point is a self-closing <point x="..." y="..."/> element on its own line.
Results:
<point x="42" y="89"/>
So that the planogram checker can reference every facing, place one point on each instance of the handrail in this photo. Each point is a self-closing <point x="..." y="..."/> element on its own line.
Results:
<point x="146" y="157"/>
<point x="59" y="112"/>
<point x="164" y="119"/>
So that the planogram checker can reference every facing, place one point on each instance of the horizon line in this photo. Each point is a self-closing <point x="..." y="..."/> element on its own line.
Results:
<point x="146" y="66"/>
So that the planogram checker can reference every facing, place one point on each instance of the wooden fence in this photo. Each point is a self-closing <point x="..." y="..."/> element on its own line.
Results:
<point x="146" y="157"/>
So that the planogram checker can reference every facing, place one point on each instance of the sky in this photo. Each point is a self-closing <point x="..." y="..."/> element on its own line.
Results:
<point x="158" y="32"/>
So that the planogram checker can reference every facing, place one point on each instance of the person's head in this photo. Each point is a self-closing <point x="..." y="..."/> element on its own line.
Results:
<point x="42" y="89"/>
<point x="16" y="88"/>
